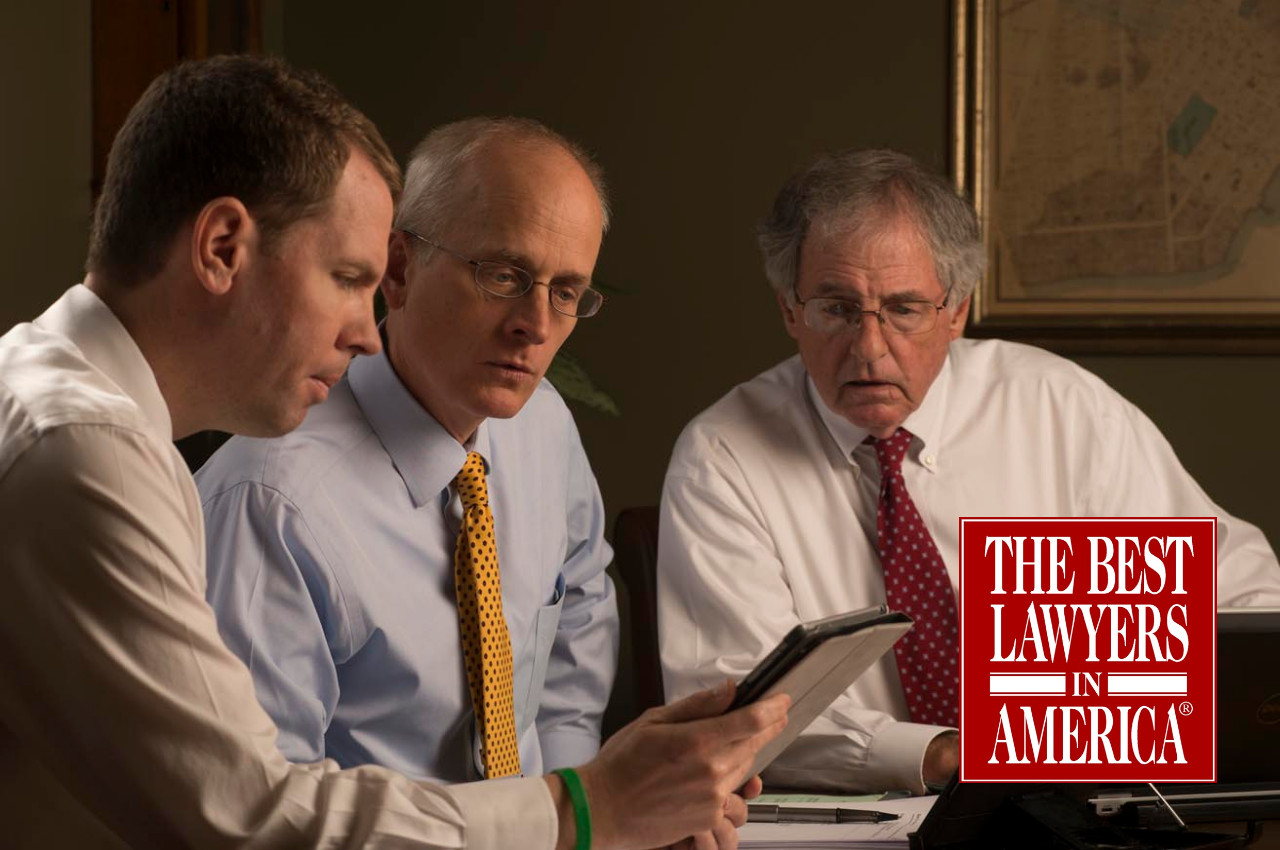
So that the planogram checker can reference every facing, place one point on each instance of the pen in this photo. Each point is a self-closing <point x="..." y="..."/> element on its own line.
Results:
<point x="769" y="813"/>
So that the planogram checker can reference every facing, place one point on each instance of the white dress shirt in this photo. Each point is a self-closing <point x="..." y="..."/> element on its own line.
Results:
<point x="124" y="720"/>
<point x="769" y="519"/>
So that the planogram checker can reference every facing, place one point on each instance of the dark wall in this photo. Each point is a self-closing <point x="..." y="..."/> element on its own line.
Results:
<point x="44" y="154"/>
<point x="697" y="114"/>
<point x="698" y="111"/>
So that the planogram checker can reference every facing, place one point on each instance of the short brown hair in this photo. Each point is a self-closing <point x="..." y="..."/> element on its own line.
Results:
<point x="275" y="137"/>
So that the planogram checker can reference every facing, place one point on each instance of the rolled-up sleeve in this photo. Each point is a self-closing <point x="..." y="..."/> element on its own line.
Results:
<point x="1137" y="474"/>
<point x="278" y="609"/>
<point x="583" y="659"/>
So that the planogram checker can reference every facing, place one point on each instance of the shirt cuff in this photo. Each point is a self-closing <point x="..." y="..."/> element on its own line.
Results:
<point x="897" y="752"/>
<point x="567" y="748"/>
<point x="502" y="813"/>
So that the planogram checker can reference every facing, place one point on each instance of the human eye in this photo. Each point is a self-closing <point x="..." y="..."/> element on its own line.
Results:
<point x="565" y="296"/>
<point x="837" y="308"/>
<point x="502" y="277"/>
<point x="906" y="309"/>
<point x="349" y="280"/>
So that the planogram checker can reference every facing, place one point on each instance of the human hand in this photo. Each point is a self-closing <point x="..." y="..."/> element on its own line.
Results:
<point x="724" y="836"/>
<point x="672" y="772"/>
<point x="941" y="760"/>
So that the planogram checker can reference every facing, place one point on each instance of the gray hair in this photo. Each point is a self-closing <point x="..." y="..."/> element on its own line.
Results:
<point x="434" y="185"/>
<point x="859" y="193"/>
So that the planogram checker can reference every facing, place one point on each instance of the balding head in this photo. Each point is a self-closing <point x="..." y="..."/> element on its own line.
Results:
<point x="491" y="208"/>
<point x="442" y="177"/>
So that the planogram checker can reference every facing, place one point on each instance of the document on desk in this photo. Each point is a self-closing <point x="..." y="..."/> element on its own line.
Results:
<point x="890" y="835"/>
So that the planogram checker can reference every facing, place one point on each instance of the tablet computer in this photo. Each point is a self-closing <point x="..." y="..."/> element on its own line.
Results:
<point x="815" y="663"/>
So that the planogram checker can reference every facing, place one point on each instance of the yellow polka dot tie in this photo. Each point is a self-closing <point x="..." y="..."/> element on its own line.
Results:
<point x="486" y="644"/>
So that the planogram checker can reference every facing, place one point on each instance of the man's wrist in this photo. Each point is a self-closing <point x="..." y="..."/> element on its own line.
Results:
<point x="566" y="833"/>
<point x="581" y="808"/>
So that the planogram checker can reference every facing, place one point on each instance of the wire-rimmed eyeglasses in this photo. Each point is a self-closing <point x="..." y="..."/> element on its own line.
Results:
<point x="836" y="315"/>
<point x="504" y="280"/>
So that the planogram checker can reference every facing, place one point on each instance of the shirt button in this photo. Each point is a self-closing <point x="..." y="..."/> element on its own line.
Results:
<point x="928" y="460"/>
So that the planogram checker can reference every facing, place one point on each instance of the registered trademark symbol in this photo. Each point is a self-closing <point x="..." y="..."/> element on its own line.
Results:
<point x="1184" y="708"/>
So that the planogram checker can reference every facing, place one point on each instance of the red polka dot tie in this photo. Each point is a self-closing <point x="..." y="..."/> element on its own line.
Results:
<point x="916" y="582"/>
<point x="486" y="644"/>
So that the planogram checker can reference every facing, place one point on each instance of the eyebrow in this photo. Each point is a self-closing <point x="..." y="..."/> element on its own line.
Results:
<point x="523" y="262"/>
<point x="835" y="290"/>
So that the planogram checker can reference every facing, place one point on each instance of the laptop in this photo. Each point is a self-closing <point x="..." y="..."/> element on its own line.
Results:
<point x="1248" y="705"/>
<point x="1248" y="695"/>
<point x="990" y="816"/>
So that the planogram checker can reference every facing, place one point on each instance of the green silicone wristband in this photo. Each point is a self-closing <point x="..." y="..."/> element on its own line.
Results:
<point x="581" y="811"/>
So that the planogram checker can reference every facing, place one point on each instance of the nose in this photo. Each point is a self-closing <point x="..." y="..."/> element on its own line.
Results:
<point x="531" y="314"/>
<point x="868" y="343"/>
<point x="360" y="333"/>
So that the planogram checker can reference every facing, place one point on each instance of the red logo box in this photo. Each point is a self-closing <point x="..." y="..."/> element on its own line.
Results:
<point x="1087" y="650"/>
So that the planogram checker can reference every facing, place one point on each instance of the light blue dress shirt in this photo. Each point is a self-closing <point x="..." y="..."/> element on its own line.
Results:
<point x="331" y="573"/>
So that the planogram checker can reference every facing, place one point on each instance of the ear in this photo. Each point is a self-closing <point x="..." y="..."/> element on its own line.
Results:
<point x="955" y="325"/>
<point x="221" y="238"/>
<point x="395" y="280"/>
<point x="788" y="309"/>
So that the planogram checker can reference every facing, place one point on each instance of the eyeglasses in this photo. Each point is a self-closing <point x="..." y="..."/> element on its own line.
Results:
<point x="836" y="315"/>
<point x="504" y="280"/>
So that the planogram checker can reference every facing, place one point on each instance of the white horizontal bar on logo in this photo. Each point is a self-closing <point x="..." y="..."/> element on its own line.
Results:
<point x="1136" y="684"/>
<point x="1029" y="683"/>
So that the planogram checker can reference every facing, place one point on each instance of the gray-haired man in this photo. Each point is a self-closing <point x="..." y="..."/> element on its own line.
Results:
<point x="836" y="479"/>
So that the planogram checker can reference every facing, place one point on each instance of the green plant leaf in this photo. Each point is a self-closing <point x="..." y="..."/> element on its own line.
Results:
<point x="572" y="381"/>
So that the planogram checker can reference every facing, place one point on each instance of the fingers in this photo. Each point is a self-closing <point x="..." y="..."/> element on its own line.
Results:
<point x="728" y="744"/>
<point x="763" y="719"/>
<point x="709" y="706"/>
<point x="708" y="703"/>
<point x="735" y="810"/>
<point x="759" y="717"/>
<point x="725" y="836"/>
<point x="752" y="788"/>
<point x="739" y="756"/>
<point x="747" y="730"/>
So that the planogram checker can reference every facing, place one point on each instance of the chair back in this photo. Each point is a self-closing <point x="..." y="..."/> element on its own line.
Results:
<point x="635" y="559"/>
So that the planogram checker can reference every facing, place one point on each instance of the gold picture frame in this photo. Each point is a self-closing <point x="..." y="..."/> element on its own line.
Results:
<point x="1128" y="191"/>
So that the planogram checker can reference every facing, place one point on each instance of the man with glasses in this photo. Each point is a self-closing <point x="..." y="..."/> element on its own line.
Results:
<point x="334" y="560"/>
<point x="836" y="479"/>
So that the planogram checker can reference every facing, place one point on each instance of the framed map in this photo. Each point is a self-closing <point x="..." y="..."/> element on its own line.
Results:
<point x="1124" y="158"/>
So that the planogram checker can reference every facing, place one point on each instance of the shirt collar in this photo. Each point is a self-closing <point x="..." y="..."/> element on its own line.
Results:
<point x="847" y="435"/>
<point x="85" y="319"/>
<point x="426" y="456"/>
<point x="925" y="422"/>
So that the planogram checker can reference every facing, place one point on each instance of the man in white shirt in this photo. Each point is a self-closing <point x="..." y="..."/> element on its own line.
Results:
<point x="241" y="232"/>
<point x="775" y="510"/>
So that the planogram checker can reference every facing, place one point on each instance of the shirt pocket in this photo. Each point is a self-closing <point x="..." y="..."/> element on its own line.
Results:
<point x="546" y="622"/>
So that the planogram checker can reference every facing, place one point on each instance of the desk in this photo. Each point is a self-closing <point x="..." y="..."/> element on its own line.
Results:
<point x="968" y="809"/>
